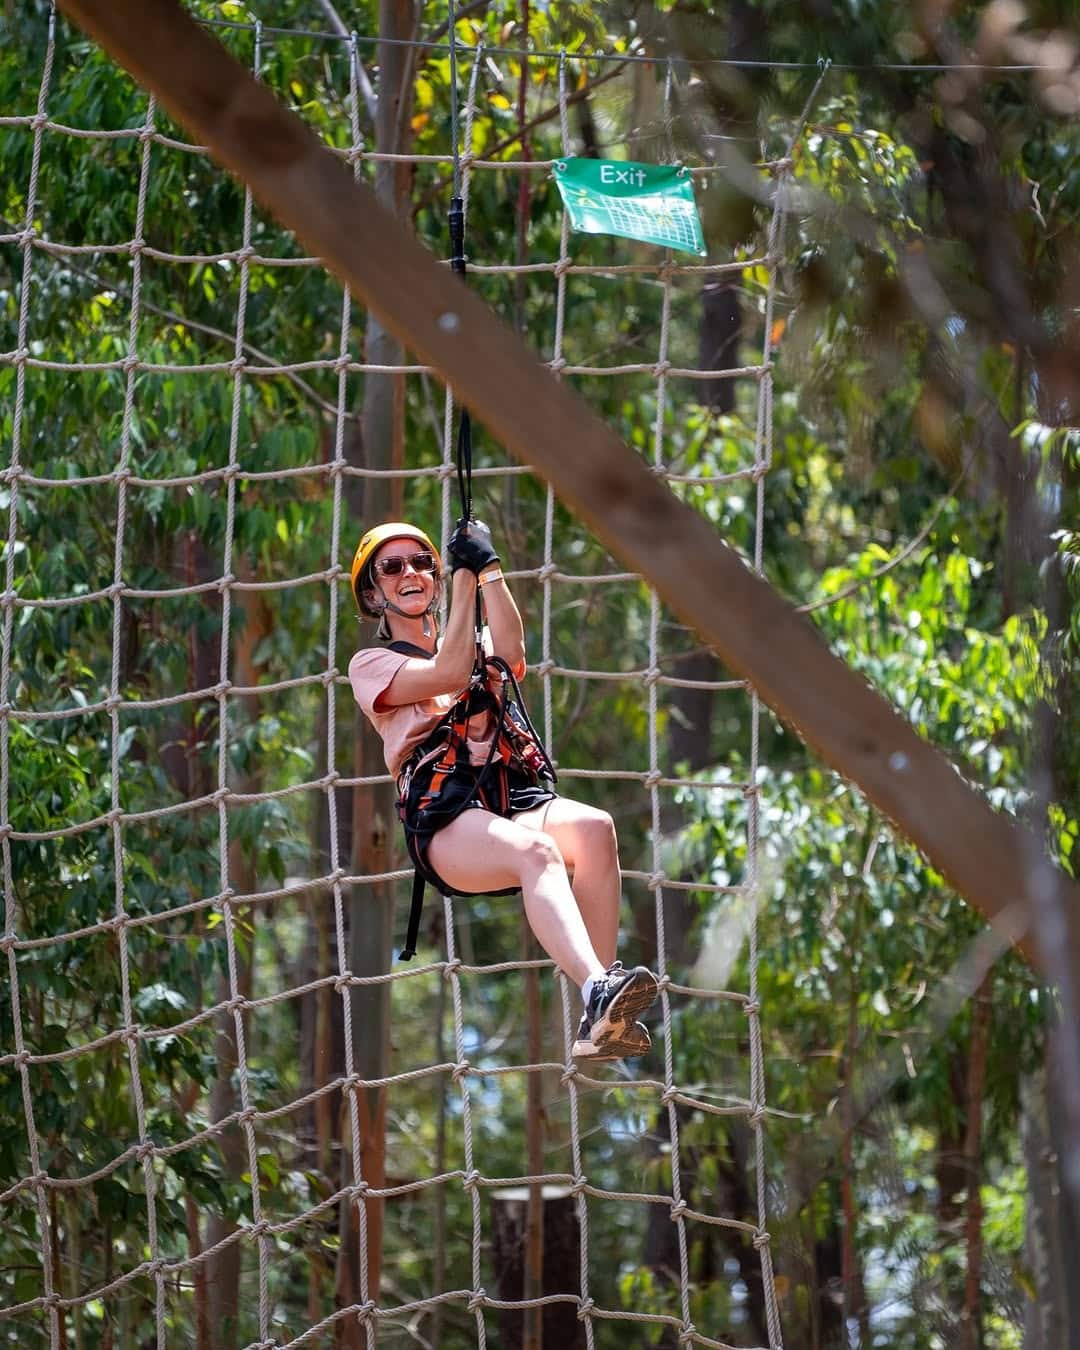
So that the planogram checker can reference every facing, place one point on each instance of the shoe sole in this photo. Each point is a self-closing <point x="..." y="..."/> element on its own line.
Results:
<point x="628" y="1047"/>
<point x="610" y="1033"/>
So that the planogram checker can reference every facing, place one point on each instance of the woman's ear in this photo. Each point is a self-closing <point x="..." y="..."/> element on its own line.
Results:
<point x="370" y="601"/>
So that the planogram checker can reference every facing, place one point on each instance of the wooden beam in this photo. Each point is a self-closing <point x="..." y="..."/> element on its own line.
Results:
<point x="985" y="854"/>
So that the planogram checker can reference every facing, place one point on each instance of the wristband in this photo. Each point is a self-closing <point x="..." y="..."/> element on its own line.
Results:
<point x="485" y="577"/>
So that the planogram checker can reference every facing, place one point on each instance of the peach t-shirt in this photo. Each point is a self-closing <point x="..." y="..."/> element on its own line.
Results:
<point x="403" y="728"/>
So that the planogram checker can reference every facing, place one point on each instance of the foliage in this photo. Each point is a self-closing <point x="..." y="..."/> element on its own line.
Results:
<point x="883" y="423"/>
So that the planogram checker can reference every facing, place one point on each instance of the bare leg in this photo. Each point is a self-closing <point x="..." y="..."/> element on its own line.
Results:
<point x="482" y="852"/>
<point x="586" y="839"/>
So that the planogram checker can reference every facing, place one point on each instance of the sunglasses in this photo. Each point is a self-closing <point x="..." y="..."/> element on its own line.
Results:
<point x="393" y="567"/>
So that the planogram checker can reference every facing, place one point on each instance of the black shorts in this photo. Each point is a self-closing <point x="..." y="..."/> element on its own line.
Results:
<point x="524" y="792"/>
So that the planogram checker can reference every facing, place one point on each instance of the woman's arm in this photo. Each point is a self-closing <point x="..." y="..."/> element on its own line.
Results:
<point x="503" y="619"/>
<point x="449" y="670"/>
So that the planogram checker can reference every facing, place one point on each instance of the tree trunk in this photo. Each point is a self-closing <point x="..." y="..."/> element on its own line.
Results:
<point x="561" y="1265"/>
<point x="1052" y="1320"/>
<point x="198" y="1274"/>
<point x="971" y="1325"/>
<point x="371" y="908"/>
<point x="251" y="624"/>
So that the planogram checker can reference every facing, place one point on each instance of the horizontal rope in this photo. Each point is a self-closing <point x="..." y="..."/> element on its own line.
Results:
<point x="255" y="259"/>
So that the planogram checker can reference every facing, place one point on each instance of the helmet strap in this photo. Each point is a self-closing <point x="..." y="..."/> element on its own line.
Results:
<point x="383" y="632"/>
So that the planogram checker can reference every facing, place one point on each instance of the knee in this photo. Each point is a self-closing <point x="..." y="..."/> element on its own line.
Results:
<point x="540" y="851"/>
<point x="598" y="838"/>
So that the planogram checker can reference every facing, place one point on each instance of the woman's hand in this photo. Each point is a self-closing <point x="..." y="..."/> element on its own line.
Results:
<point x="470" y="547"/>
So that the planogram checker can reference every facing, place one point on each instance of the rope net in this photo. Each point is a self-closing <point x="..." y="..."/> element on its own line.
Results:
<point x="187" y="864"/>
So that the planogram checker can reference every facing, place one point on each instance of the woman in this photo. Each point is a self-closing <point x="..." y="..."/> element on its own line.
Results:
<point x="522" y="837"/>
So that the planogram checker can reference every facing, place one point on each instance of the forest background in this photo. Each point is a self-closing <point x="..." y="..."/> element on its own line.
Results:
<point x="922" y="501"/>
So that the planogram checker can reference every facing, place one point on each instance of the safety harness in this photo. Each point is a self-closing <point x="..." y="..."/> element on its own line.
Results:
<point x="439" y="780"/>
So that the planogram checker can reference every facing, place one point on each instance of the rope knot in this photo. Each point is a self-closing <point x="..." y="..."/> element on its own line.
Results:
<point x="557" y="363"/>
<point x="145" y="1150"/>
<point x="670" y="1094"/>
<point x="39" y="120"/>
<point x="655" y="881"/>
<point x="650" y="676"/>
<point x="7" y="941"/>
<point x="760" y="1240"/>
<point x="752" y="1007"/>
<point x="578" y="1185"/>
<point x="460" y="1071"/>
<point x="652" y="778"/>
<point x="343" y="981"/>
<point x="477" y="1300"/>
<point x="678" y="1209"/>
<point x="328" y="677"/>
<point x="245" y="254"/>
<point x="687" y="1334"/>
<point x="238" y="1003"/>
<point x="247" y="1116"/>
<point x="226" y="581"/>
<point x="585" y="1308"/>
<point x="26" y="236"/>
<point x="238" y="365"/>
<point x="562" y="267"/>
<point x="222" y="688"/>
<point x="757" y="1115"/>
<point x="115" y="590"/>
<point x="471" y="1180"/>
<point x="544" y="667"/>
<point x="661" y="368"/>
<point x="130" y="364"/>
<point x="341" y="364"/>
<point x="451" y="968"/>
<point x="546" y="571"/>
<point x="136" y="246"/>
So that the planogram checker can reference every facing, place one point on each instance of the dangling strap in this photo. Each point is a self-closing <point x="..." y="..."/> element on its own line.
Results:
<point x="415" y="910"/>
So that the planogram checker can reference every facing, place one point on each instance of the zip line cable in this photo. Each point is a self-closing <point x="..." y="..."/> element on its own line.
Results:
<point x="530" y="54"/>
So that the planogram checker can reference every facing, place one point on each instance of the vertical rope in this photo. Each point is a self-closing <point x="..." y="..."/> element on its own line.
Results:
<point x="123" y="473"/>
<point x="471" y="1180"/>
<point x="228" y="580"/>
<point x="13" y="474"/>
<point x="355" y="1202"/>
<point x="653" y="780"/>
<point x="762" y="462"/>
<point x="547" y="572"/>
<point x="462" y="180"/>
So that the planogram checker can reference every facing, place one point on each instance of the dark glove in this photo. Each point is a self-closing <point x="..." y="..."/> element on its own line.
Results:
<point x="470" y="547"/>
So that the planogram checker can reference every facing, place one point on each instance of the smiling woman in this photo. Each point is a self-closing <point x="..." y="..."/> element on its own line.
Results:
<point x="475" y="790"/>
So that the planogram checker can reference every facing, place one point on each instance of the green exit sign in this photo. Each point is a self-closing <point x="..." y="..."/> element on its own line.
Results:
<point x="653" y="203"/>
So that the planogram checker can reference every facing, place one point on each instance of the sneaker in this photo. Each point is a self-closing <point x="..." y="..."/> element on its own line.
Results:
<point x="609" y="1029"/>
